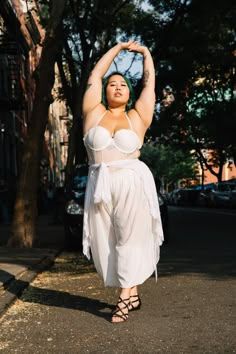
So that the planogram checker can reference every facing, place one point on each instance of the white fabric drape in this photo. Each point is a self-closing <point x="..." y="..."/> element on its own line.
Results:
<point x="98" y="197"/>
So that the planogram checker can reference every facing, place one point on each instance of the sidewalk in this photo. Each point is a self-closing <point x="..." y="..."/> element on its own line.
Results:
<point x="18" y="267"/>
<point x="190" y="309"/>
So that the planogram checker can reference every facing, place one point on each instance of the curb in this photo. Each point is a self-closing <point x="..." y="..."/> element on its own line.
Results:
<point x="13" y="289"/>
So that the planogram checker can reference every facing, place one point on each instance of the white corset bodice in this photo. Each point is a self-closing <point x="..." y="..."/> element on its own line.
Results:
<point x="103" y="147"/>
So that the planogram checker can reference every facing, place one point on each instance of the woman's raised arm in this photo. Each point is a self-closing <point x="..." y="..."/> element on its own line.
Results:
<point x="145" y="104"/>
<point x="93" y="93"/>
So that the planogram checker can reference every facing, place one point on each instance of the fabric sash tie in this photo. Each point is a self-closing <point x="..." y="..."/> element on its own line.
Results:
<point x="102" y="191"/>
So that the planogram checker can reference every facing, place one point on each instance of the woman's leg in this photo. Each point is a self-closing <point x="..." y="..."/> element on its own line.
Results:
<point x="134" y="291"/>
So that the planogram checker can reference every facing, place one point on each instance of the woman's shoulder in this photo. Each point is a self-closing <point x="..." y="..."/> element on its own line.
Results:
<point x="135" y="117"/>
<point x="136" y="121"/>
<point x="95" y="112"/>
<point x="93" y="116"/>
<point x="132" y="113"/>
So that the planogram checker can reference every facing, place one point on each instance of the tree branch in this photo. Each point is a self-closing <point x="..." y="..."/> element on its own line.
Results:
<point x="55" y="16"/>
<point x="65" y="85"/>
<point x="208" y="166"/>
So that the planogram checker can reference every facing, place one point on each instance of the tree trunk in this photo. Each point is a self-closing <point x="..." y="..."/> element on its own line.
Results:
<point x="76" y="150"/>
<point x="202" y="173"/>
<point x="74" y="97"/>
<point x="220" y="170"/>
<point x="203" y="161"/>
<point x="23" y="229"/>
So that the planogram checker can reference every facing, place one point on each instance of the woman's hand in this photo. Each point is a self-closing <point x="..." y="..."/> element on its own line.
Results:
<point x="125" y="45"/>
<point x="133" y="46"/>
<point x="137" y="47"/>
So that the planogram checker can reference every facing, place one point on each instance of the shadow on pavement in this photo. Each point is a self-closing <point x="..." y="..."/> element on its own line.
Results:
<point x="57" y="298"/>
<point x="73" y="264"/>
<point x="64" y="299"/>
<point x="11" y="284"/>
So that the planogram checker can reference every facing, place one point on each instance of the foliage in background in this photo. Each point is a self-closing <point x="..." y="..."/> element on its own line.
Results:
<point x="169" y="165"/>
<point x="193" y="45"/>
<point x="195" y="51"/>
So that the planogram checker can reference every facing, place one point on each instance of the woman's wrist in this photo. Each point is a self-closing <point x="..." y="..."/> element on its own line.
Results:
<point x="119" y="46"/>
<point x="145" y="52"/>
<point x="123" y="46"/>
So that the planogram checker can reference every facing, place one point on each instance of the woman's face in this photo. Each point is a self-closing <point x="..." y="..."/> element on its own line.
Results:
<point x="117" y="91"/>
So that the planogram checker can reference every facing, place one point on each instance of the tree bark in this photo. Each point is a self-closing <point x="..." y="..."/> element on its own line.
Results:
<point x="202" y="173"/>
<point x="23" y="228"/>
<point x="74" y="97"/>
<point x="203" y="161"/>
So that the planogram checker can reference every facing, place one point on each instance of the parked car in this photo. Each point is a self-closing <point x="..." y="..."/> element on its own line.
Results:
<point x="162" y="199"/>
<point x="74" y="210"/>
<point x="223" y="194"/>
<point x="184" y="197"/>
<point x="204" y="194"/>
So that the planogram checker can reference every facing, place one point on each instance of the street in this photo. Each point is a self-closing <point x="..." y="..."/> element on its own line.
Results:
<point x="191" y="308"/>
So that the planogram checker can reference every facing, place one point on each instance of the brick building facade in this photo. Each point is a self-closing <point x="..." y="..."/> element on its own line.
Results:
<point x="20" y="49"/>
<point x="20" y="36"/>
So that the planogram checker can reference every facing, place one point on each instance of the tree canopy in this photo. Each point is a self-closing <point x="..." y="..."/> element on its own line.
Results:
<point x="169" y="165"/>
<point x="195" y="55"/>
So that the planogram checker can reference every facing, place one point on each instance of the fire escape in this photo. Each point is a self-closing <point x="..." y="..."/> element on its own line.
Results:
<point x="15" y="85"/>
<point x="11" y="97"/>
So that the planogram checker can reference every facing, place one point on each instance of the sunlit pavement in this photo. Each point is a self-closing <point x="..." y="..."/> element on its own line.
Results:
<point x="191" y="309"/>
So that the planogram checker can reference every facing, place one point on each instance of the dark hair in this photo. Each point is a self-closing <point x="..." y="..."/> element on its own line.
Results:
<point x="131" y="100"/>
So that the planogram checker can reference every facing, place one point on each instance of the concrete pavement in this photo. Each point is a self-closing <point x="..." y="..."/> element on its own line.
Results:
<point x="18" y="267"/>
<point x="191" y="309"/>
<point x="67" y="310"/>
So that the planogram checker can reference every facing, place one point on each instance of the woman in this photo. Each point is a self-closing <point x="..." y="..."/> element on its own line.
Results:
<point x="122" y="224"/>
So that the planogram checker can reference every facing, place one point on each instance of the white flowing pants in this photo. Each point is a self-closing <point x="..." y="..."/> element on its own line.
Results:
<point x="123" y="245"/>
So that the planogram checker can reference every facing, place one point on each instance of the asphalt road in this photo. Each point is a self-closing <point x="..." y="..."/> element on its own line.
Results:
<point x="191" y="309"/>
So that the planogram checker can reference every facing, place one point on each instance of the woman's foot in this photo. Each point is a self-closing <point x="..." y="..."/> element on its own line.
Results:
<point x="121" y="312"/>
<point x="134" y="302"/>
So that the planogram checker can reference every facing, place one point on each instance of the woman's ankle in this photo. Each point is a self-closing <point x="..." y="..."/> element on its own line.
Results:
<point x="125" y="293"/>
<point x="134" y="291"/>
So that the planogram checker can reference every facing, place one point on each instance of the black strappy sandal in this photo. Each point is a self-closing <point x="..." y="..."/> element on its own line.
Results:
<point x="123" y="316"/>
<point x="132" y="303"/>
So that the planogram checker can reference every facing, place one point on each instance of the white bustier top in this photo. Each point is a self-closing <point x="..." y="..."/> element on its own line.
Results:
<point x="106" y="154"/>
<point x="101" y="146"/>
